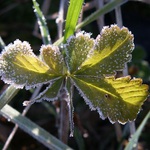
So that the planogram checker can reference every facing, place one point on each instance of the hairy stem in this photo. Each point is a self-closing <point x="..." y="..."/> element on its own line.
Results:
<point x="64" y="117"/>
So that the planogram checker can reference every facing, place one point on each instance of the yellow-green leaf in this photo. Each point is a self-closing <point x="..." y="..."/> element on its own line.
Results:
<point x="53" y="58"/>
<point x="112" y="50"/>
<point x="118" y="99"/>
<point x="20" y="67"/>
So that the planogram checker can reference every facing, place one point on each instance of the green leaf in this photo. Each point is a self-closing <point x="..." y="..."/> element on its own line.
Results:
<point x="20" y="67"/>
<point x="42" y="23"/>
<point x="33" y="129"/>
<point x="134" y="139"/>
<point x="112" y="50"/>
<point x="51" y="92"/>
<point x="77" y="49"/>
<point x="72" y="17"/>
<point x="118" y="99"/>
<point x="53" y="58"/>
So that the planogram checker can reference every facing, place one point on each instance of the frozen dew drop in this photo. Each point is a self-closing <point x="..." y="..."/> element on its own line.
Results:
<point x="71" y="134"/>
<point x="86" y="135"/>
<point x="134" y="145"/>
<point x="8" y="119"/>
<point x="26" y="103"/>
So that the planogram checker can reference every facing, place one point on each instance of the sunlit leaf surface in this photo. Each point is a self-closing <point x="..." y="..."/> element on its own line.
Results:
<point x="20" y="67"/>
<point x="118" y="99"/>
<point x="87" y="64"/>
<point x="53" y="58"/>
<point x="77" y="49"/>
<point x="112" y="50"/>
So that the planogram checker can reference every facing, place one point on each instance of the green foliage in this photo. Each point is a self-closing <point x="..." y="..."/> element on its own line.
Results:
<point x="118" y="99"/>
<point x="72" y="17"/>
<point x="83" y="62"/>
<point x="86" y="65"/>
<point x="42" y="23"/>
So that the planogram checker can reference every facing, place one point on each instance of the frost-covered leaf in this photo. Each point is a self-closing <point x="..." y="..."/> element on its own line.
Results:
<point x="112" y="50"/>
<point x="118" y="99"/>
<point x="77" y="48"/>
<point x="53" y="58"/>
<point x="51" y="92"/>
<point x="20" y="67"/>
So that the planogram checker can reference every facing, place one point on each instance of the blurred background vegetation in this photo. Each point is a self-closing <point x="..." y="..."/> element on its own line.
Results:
<point x="18" y="21"/>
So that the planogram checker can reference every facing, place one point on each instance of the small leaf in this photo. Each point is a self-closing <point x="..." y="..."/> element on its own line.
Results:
<point x="53" y="58"/>
<point x="118" y="99"/>
<point x="51" y="92"/>
<point x="112" y="50"/>
<point x="20" y="67"/>
<point x="77" y="48"/>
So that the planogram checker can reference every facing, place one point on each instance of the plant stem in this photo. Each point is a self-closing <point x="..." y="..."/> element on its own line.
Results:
<point x="64" y="122"/>
<point x="64" y="117"/>
<point x="125" y="71"/>
<point x="60" y="19"/>
<point x="100" y="19"/>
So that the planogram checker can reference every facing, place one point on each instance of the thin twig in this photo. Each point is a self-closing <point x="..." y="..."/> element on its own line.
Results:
<point x="60" y="19"/>
<point x="125" y="71"/>
<point x="8" y="8"/>
<point x="119" y="23"/>
<point x="118" y="16"/>
<point x="100" y="20"/>
<point x="7" y="143"/>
